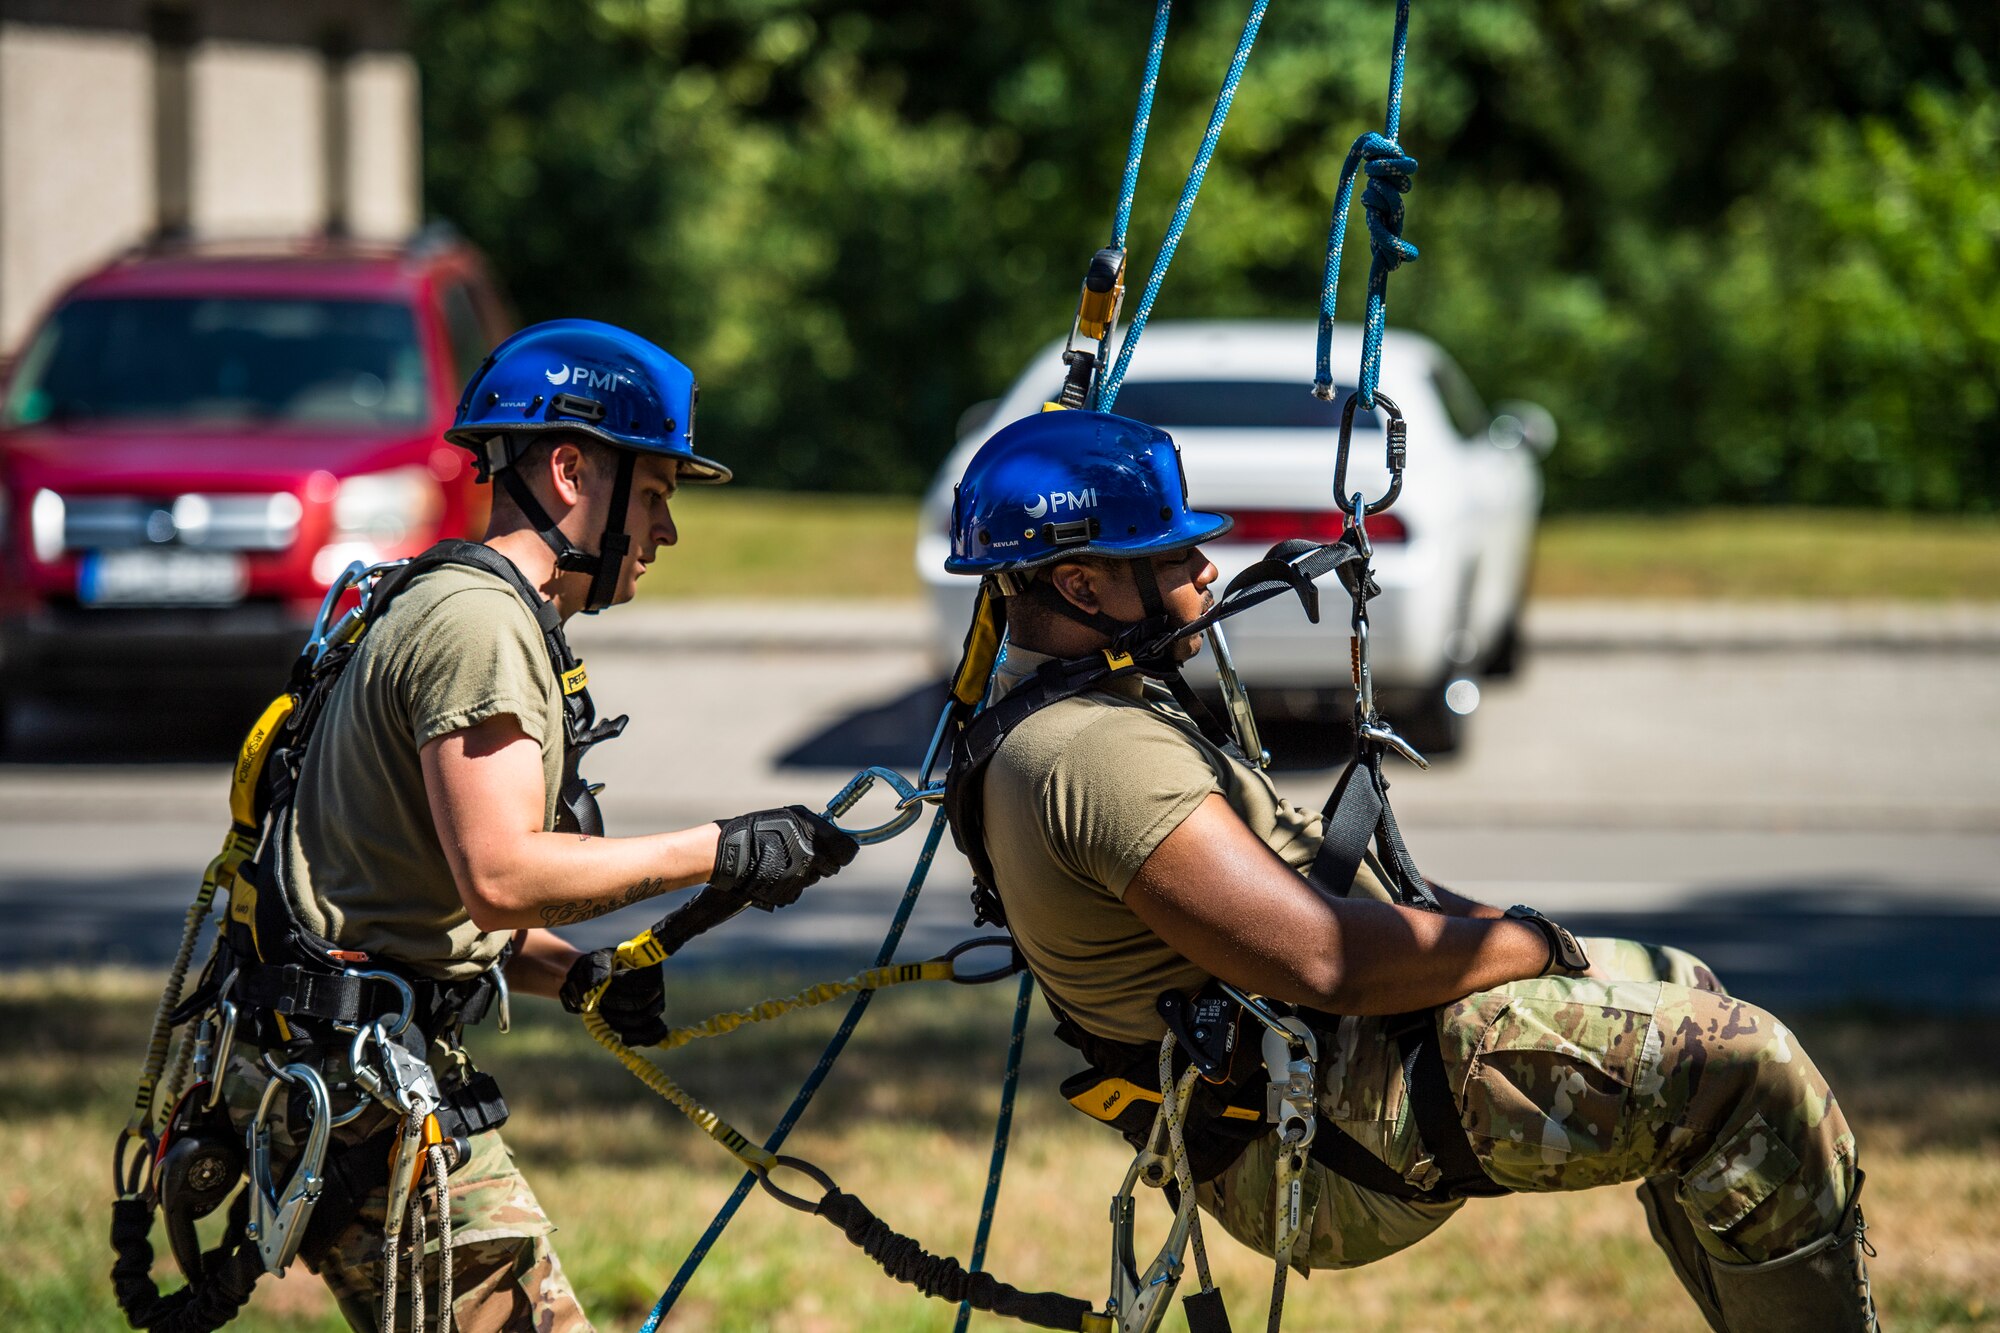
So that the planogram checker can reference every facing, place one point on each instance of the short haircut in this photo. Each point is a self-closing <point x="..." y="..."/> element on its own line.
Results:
<point x="534" y="458"/>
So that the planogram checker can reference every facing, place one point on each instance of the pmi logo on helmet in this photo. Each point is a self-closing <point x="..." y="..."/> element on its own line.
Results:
<point x="1057" y="501"/>
<point x="583" y="377"/>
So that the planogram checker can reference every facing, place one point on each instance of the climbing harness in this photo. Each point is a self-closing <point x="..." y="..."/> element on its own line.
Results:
<point x="342" y="1036"/>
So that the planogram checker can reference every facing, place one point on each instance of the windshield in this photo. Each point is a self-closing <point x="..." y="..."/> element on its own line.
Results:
<point x="1235" y="404"/>
<point x="223" y="361"/>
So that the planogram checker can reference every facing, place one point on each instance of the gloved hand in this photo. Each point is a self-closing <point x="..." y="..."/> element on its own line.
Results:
<point x="632" y="1005"/>
<point x="770" y="856"/>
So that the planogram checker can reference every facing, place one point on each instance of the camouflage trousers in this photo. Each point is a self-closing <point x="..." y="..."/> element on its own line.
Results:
<point x="1571" y="1083"/>
<point x="505" y="1275"/>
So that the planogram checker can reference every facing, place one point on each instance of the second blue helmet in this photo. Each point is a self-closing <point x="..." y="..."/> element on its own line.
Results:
<point x="1066" y="483"/>
<point x="587" y="377"/>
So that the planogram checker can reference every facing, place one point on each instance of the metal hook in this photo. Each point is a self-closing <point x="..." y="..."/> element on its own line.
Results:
<point x="278" y="1215"/>
<point x="1397" y="452"/>
<point x="909" y="803"/>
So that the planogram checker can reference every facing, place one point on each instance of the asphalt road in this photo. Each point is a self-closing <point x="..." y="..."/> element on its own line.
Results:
<point x="1817" y="815"/>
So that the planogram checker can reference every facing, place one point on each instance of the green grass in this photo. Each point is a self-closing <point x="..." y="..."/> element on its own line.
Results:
<point x="752" y="544"/>
<point x="1752" y="554"/>
<point x="904" y="1123"/>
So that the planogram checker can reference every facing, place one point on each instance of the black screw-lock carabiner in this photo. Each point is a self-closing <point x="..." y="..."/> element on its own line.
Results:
<point x="1398" y="451"/>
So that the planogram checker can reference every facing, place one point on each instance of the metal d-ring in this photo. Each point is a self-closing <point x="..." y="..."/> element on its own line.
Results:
<point x="909" y="803"/>
<point x="1397" y="453"/>
<point x="804" y="1168"/>
<point x="404" y="992"/>
<point x="1013" y="964"/>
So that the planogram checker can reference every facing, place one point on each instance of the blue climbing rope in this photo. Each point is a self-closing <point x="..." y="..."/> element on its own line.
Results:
<point x="1129" y="187"/>
<point x="1135" y="151"/>
<point x="1003" y="1125"/>
<point x="1107" y="388"/>
<point x="883" y="957"/>
<point x="1389" y="170"/>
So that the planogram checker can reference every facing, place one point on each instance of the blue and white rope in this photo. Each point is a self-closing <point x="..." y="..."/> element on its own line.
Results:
<point x="1389" y="170"/>
<point x="1107" y="388"/>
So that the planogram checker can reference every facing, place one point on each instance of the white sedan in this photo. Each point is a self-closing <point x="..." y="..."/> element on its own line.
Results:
<point x="1451" y="556"/>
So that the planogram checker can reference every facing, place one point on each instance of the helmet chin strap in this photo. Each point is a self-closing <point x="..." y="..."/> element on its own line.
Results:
<point x="1045" y="593"/>
<point x="612" y="547"/>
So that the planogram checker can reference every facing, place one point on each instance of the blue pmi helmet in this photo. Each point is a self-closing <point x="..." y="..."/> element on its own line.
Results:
<point x="583" y="377"/>
<point x="1067" y="483"/>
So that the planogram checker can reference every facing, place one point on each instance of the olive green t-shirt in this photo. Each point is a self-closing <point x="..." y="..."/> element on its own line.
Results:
<point x="1076" y="799"/>
<point x="361" y="856"/>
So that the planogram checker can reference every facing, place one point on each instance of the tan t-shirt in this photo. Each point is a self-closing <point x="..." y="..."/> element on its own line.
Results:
<point x="1076" y="799"/>
<point x="361" y="856"/>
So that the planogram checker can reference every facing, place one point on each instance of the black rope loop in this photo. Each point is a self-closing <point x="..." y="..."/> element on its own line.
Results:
<point x="1014" y="964"/>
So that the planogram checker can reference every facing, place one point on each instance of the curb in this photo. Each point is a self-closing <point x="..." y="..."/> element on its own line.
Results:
<point x="1690" y="626"/>
<point x="1550" y="627"/>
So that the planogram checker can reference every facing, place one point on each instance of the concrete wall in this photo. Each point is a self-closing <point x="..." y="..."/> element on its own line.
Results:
<point x="80" y="127"/>
<point x="76" y="159"/>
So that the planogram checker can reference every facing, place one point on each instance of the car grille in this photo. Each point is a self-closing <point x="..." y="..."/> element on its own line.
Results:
<point x="208" y="522"/>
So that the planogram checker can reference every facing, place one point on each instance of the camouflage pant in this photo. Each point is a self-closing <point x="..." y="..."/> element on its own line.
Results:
<point x="505" y="1275"/>
<point x="1571" y="1083"/>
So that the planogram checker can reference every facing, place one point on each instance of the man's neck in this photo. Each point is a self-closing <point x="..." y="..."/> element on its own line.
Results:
<point x="531" y="555"/>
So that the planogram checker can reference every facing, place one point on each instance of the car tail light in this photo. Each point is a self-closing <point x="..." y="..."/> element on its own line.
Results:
<point x="1267" y="527"/>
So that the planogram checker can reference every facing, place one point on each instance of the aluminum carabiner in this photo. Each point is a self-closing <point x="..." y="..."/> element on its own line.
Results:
<point x="1397" y="453"/>
<point x="910" y="800"/>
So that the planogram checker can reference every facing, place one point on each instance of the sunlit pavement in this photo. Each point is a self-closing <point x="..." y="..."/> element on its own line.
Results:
<point x="1809" y="797"/>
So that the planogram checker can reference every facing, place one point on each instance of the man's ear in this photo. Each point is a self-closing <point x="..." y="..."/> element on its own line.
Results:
<point x="568" y="473"/>
<point x="1080" y="584"/>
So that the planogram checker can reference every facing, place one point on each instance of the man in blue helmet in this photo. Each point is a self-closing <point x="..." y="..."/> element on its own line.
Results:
<point x="1138" y="861"/>
<point x="439" y="827"/>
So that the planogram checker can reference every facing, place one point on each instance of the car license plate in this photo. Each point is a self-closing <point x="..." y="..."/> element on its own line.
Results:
<point x="162" y="578"/>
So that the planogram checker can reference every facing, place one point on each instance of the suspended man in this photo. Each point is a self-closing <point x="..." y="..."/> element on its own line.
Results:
<point x="1463" y="1051"/>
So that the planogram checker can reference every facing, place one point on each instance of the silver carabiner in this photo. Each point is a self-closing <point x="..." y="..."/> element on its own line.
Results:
<point x="1397" y="451"/>
<point x="909" y="803"/>
<point x="278" y="1215"/>
<point x="1139" y="1301"/>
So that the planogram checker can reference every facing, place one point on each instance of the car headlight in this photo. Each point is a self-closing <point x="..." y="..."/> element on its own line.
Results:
<point x="47" y="516"/>
<point x="386" y="509"/>
<point x="376" y="512"/>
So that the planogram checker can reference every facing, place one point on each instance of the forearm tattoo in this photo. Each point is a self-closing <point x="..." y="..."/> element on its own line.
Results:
<point x="568" y="914"/>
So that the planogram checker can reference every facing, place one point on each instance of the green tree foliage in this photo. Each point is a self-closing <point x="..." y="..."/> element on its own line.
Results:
<point x="1744" y="252"/>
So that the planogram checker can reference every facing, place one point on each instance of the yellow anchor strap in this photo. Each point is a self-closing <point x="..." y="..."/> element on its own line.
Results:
<point x="711" y="1124"/>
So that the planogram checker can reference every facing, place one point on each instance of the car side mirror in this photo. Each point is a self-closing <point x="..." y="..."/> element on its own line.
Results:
<point x="1518" y="423"/>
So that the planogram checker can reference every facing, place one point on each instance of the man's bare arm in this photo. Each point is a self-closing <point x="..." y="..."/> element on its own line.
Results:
<point x="1223" y="899"/>
<point x="541" y="960"/>
<point x="486" y="795"/>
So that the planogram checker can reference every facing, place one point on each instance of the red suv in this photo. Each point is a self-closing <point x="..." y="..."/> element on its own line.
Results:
<point x="198" y="439"/>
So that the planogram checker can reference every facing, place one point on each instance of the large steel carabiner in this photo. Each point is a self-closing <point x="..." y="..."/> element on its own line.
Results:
<point x="278" y="1215"/>
<point x="1397" y="452"/>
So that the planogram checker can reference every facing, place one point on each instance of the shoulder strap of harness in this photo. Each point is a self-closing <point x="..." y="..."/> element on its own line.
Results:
<point x="1287" y="567"/>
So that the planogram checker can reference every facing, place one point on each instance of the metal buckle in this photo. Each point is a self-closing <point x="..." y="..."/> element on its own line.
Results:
<point x="278" y="1215"/>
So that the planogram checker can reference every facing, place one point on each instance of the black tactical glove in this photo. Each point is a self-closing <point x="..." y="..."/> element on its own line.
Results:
<point x="769" y="856"/>
<point x="632" y="1004"/>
